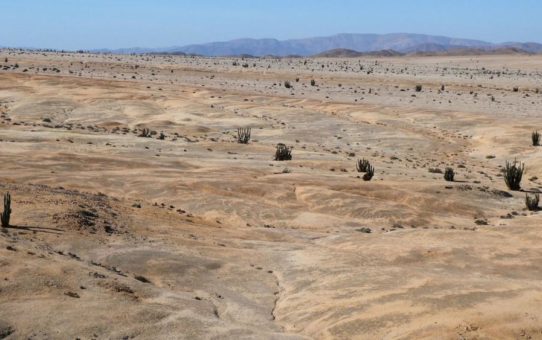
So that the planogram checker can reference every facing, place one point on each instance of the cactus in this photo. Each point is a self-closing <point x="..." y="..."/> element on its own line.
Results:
<point x="513" y="172"/>
<point x="7" y="210"/>
<point x="145" y="133"/>
<point x="283" y="152"/>
<point x="536" y="138"/>
<point x="369" y="173"/>
<point x="243" y="135"/>
<point x="362" y="165"/>
<point x="449" y="174"/>
<point x="532" y="201"/>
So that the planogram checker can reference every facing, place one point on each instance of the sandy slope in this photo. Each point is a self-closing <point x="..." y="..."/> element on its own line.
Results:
<point x="196" y="236"/>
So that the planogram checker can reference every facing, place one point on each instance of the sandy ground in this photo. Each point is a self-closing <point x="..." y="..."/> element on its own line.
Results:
<point x="116" y="236"/>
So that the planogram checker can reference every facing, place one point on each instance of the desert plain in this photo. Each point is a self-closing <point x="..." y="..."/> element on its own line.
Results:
<point x="187" y="234"/>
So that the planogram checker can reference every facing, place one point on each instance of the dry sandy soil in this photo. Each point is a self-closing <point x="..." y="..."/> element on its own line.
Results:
<point x="116" y="236"/>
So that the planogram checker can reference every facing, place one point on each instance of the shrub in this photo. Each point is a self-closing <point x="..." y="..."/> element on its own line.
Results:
<point x="283" y="152"/>
<point x="362" y="165"/>
<point x="287" y="84"/>
<point x="532" y="201"/>
<point x="243" y="135"/>
<point x="513" y="172"/>
<point x="6" y="214"/>
<point x="536" y="138"/>
<point x="313" y="82"/>
<point x="449" y="174"/>
<point x="369" y="173"/>
<point x="418" y="88"/>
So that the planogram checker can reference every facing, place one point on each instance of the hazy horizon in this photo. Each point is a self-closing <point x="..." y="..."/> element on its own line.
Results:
<point x="68" y="25"/>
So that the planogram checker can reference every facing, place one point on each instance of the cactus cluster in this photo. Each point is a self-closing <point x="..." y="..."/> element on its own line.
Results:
<point x="362" y="165"/>
<point x="513" y="172"/>
<point x="535" y="138"/>
<point x="145" y="133"/>
<point x="365" y="166"/>
<point x="283" y="152"/>
<point x="243" y="135"/>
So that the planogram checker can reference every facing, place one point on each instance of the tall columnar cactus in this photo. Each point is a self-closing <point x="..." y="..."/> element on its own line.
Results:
<point x="243" y="135"/>
<point x="7" y="210"/>
<point x="513" y="172"/>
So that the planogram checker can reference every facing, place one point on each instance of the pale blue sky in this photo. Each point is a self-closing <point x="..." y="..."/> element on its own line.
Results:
<point x="86" y="24"/>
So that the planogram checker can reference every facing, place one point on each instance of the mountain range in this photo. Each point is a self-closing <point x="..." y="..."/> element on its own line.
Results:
<point x="396" y="43"/>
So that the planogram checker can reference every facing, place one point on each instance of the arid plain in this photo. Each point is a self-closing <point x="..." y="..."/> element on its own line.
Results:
<point x="193" y="235"/>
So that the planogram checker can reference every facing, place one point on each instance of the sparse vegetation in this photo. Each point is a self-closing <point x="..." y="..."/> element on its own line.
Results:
<point x="531" y="202"/>
<point x="449" y="174"/>
<point x="243" y="135"/>
<point x="535" y="138"/>
<point x="6" y="214"/>
<point x="283" y="152"/>
<point x="513" y="172"/>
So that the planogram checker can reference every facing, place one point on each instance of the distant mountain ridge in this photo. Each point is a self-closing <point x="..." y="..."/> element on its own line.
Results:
<point x="346" y="53"/>
<point x="403" y="43"/>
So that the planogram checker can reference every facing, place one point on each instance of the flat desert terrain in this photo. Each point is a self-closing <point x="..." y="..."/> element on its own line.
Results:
<point x="188" y="234"/>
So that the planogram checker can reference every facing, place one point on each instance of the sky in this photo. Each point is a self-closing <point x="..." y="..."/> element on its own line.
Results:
<point x="91" y="24"/>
